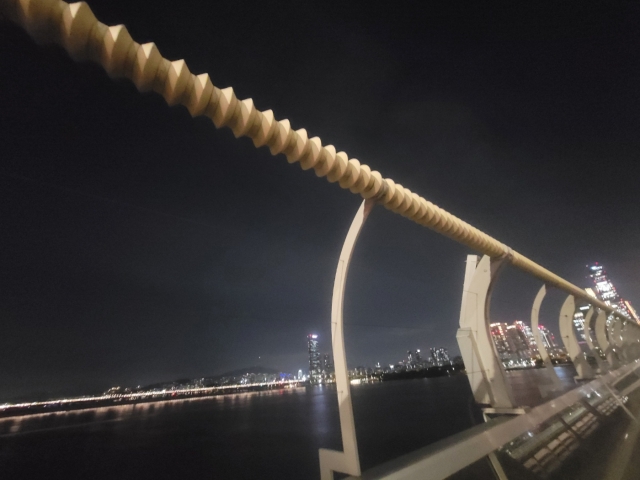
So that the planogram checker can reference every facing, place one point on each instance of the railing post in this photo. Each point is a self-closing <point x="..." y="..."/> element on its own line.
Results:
<point x="348" y="460"/>
<point x="603" y="340"/>
<point x="555" y="384"/>
<point x="614" y="330"/>
<point x="568" y="334"/>
<point x="485" y="371"/>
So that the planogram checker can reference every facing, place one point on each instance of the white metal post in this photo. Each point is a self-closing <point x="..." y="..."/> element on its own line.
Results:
<point x="484" y="368"/>
<point x="348" y="460"/>
<point x="587" y="335"/>
<point x="568" y="334"/>
<point x="554" y="384"/>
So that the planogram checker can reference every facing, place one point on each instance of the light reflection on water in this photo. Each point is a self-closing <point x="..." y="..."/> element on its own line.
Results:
<point x="267" y="434"/>
<point x="115" y="413"/>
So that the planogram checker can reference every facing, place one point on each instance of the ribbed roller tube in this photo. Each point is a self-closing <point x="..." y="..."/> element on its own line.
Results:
<point x="76" y="29"/>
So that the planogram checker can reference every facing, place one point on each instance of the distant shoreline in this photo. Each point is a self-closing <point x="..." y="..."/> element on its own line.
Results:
<point x="86" y="403"/>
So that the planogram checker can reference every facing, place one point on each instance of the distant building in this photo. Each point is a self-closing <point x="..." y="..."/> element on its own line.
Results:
<point x="315" y="369"/>
<point x="378" y="368"/>
<point x="499" y="336"/>
<point x="605" y="291"/>
<point x="528" y="334"/>
<point x="548" y="339"/>
<point x="603" y="287"/>
<point x="632" y="311"/>
<point x="440" y="357"/>
<point x="328" y="372"/>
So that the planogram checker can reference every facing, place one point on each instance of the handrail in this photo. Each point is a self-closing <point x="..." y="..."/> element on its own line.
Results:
<point x="75" y="28"/>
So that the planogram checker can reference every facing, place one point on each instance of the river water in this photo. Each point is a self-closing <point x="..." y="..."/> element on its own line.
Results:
<point x="257" y="435"/>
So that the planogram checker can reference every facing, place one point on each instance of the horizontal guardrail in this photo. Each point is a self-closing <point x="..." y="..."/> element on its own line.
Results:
<point x="75" y="28"/>
<point x="444" y="458"/>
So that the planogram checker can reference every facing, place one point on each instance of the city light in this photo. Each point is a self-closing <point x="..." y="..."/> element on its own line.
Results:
<point x="151" y="395"/>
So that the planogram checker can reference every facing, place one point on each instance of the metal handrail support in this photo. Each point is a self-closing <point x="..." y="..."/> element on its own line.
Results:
<point x="496" y="466"/>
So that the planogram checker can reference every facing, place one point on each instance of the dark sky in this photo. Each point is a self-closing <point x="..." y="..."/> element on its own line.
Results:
<point x="139" y="245"/>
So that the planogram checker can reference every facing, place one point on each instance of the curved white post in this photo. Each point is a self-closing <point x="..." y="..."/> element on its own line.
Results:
<point x="556" y="385"/>
<point x="484" y="368"/>
<point x="615" y="338"/>
<point x="587" y="335"/>
<point x="346" y="461"/>
<point x="570" y="341"/>
<point x="600" y="328"/>
<point x="603" y="339"/>
<point x="630" y="345"/>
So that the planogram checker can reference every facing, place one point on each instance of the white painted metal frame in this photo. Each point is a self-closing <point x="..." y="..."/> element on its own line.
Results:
<point x="482" y="363"/>
<point x="614" y="331"/>
<point x="602" y="366"/>
<point x="568" y="335"/>
<point x="348" y="460"/>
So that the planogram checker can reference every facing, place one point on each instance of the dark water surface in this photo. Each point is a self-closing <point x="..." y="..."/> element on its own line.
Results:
<point x="257" y="435"/>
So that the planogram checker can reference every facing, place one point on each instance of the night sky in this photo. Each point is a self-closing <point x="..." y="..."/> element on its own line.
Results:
<point x="139" y="245"/>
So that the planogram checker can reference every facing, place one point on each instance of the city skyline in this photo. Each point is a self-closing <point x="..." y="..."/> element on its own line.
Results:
<point x="140" y="244"/>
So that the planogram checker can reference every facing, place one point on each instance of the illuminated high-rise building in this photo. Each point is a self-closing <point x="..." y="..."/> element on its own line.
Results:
<point x="606" y="292"/>
<point x="604" y="289"/>
<point x="515" y="344"/>
<point x="579" y="325"/>
<point x="327" y="363"/>
<point x="440" y="357"/>
<point x="499" y="336"/>
<point x="632" y="311"/>
<point x="315" y="369"/>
